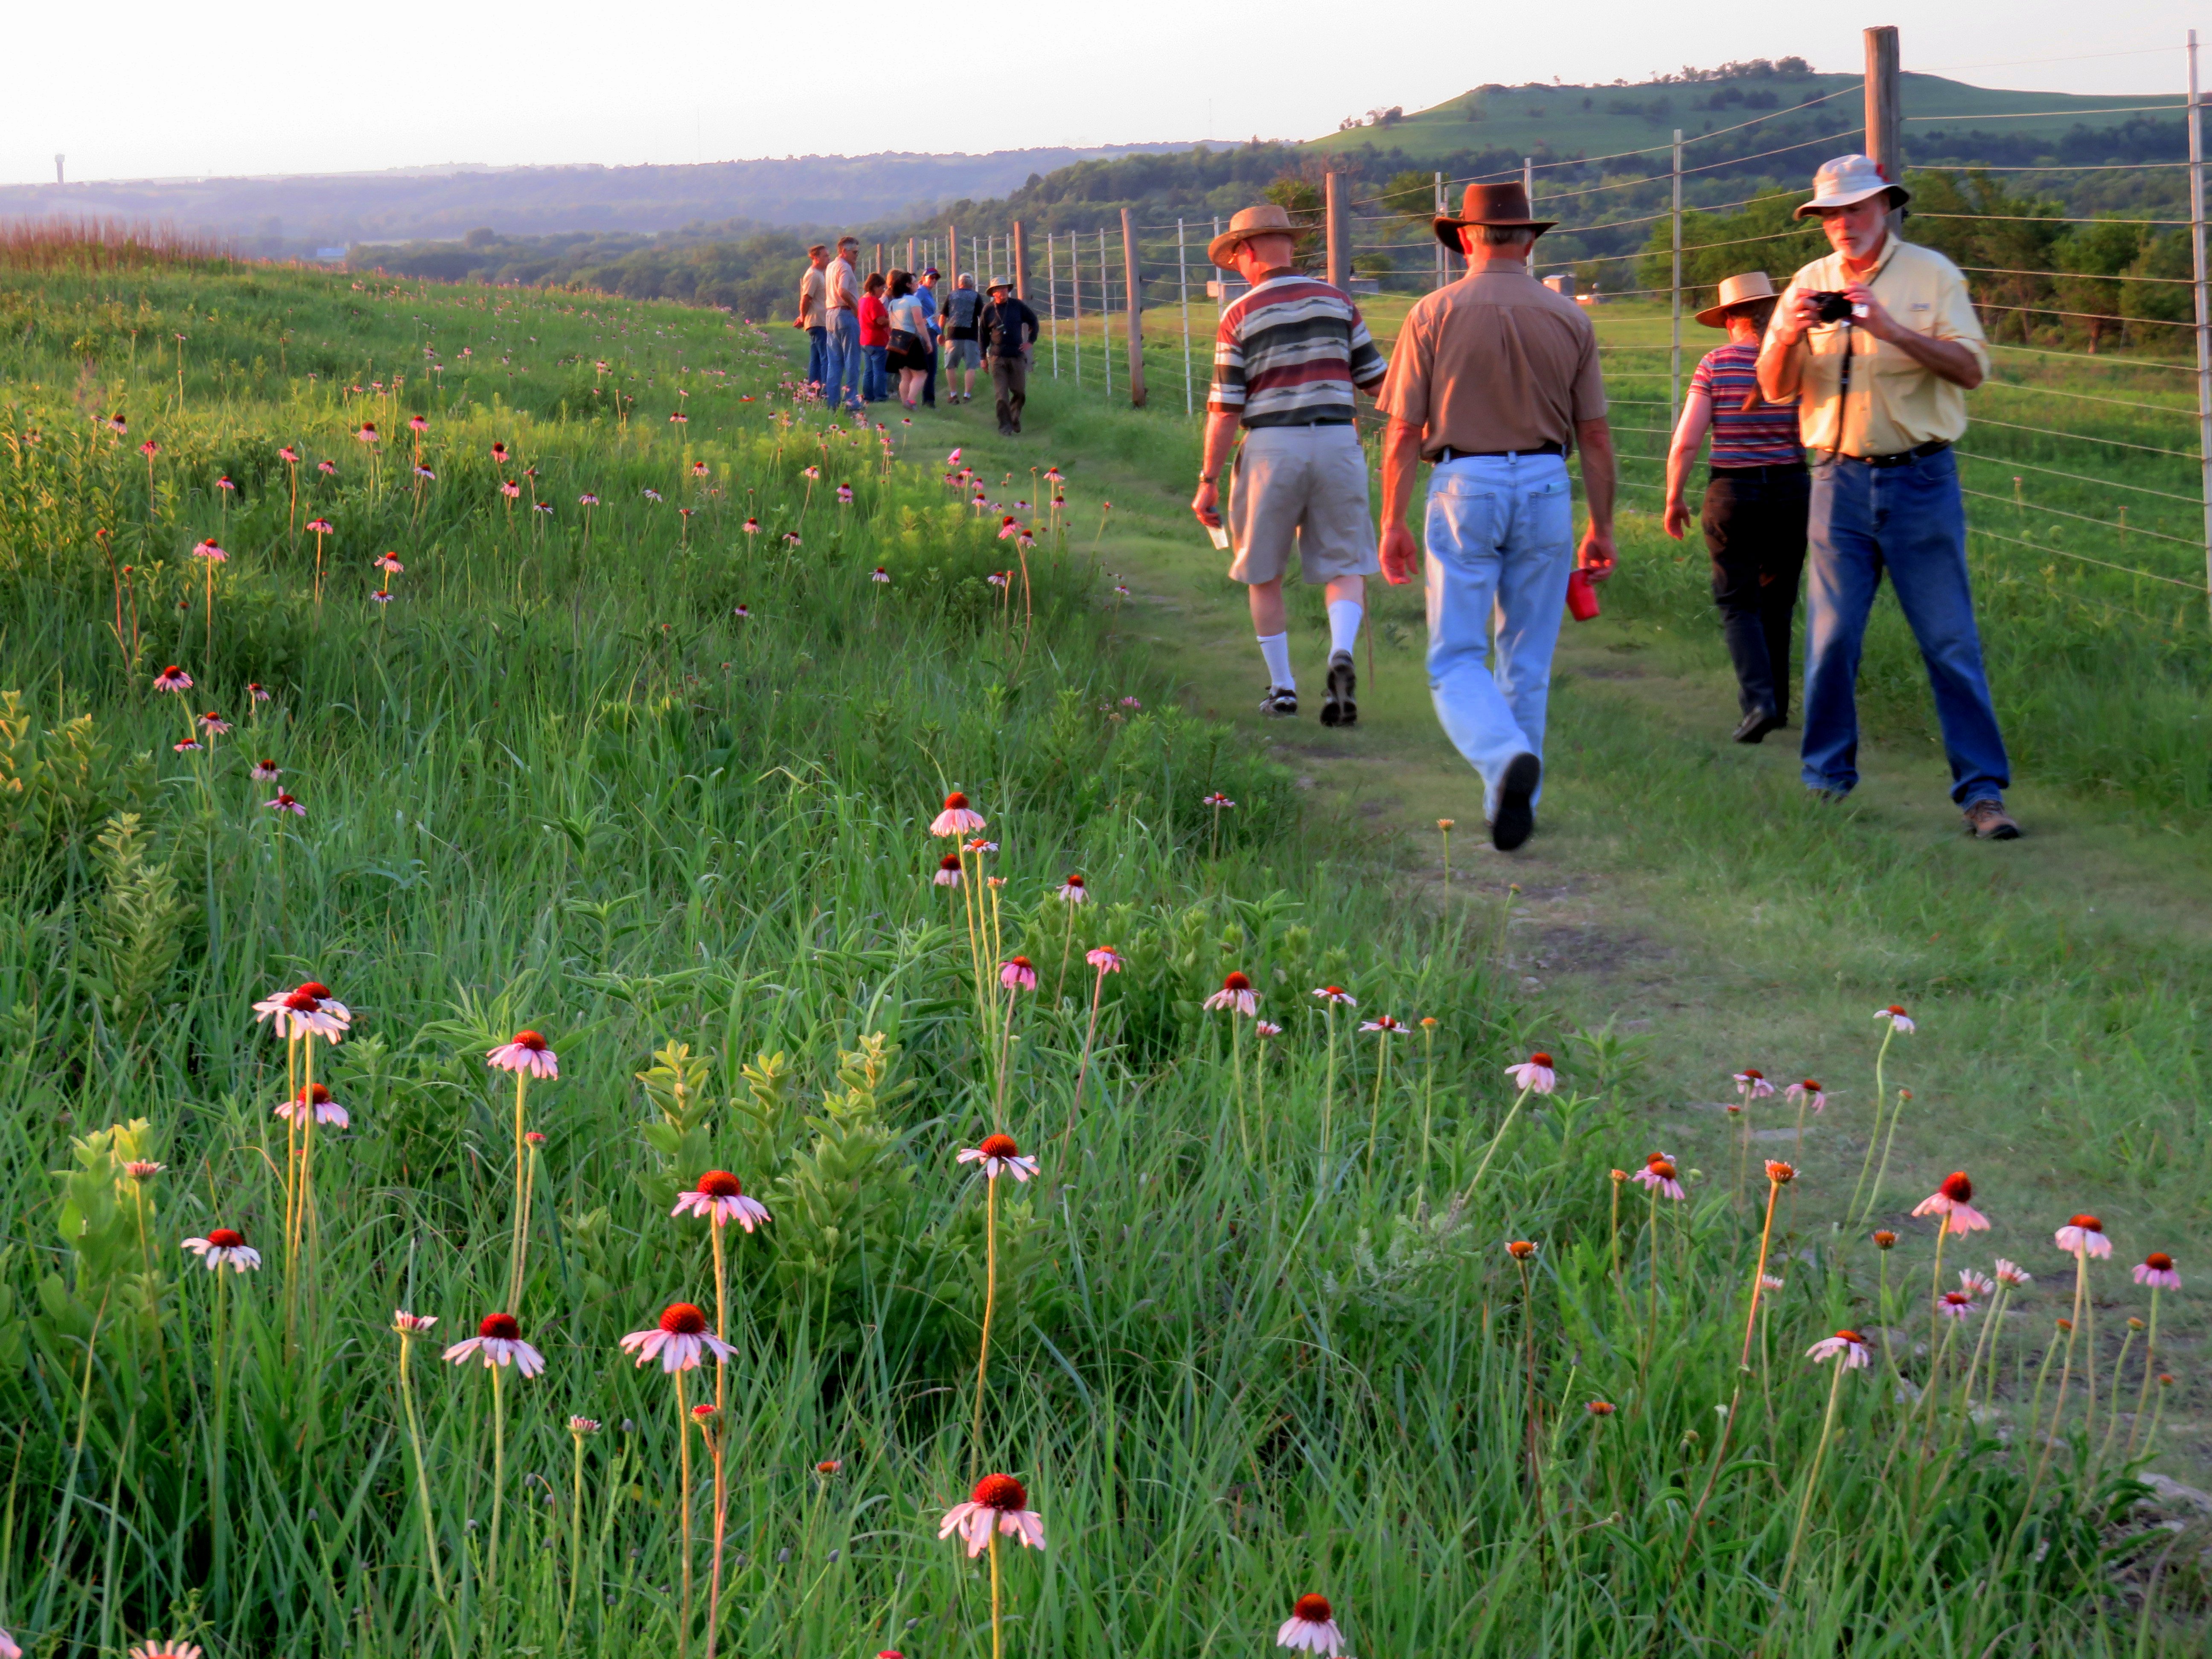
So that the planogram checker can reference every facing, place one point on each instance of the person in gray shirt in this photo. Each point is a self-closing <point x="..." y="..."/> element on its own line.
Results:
<point x="963" y="338"/>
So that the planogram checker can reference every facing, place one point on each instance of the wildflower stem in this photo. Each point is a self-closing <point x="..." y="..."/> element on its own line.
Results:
<point x="1882" y="1174"/>
<point x="1482" y="1167"/>
<point x="684" y="1498"/>
<point x="994" y="1590"/>
<point x="990" y="1306"/>
<point x="721" y="1528"/>
<point x="1813" y="1477"/>
<point x="1651" y="1320"/>
<point x="1759" y="1274"/>
<point x="576" y="1538"/>
<point x="498" y="1495"/>
<point x="1873" y="1134"/>
<point x="1374" y="1110"/>
<point x="1935" y="1296"/>
<point x="422" y="1495"/>
<point x="1429" y="1106"/>
<point x="1083" y="1069"/>
<point x="1888" y="1357"/>
<point x="1329" y="1088"/>
<point x="1236" y="1080"/>
<point x="2150" y="1364"/>
<point x="2112" y="1423"/>
<point x="521" y="1198"/>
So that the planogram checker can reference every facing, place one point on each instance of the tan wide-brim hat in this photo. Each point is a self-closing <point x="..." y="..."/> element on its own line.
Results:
<point x="998" y="283"/>
<point x="1846" y="180"/>
<point x="1505" y="205"/>
<point x="1737" y="291"/>
<point x="1268" y="219"/>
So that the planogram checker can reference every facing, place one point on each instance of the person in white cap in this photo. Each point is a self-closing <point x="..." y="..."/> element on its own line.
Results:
<point x="1287" y="358"/>
<point x="1880" y="342"/>
<point x="1753" y="512"/>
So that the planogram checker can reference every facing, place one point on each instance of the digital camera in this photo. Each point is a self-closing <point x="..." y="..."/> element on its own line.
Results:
<point x="1831" y="307"/>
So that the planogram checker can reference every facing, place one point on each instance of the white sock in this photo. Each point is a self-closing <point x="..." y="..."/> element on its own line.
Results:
<point x="1276" y="649"/>
<point x="1344" y="619"/>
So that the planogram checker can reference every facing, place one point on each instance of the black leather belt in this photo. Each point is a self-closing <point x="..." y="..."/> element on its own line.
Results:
<point x="1448" y="453"/>
<point x="1768" y="470"/>
<point x="1904" y="457"/>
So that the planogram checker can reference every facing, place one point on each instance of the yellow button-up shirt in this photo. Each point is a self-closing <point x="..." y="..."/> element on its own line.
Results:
<point x="1894" y="403"/>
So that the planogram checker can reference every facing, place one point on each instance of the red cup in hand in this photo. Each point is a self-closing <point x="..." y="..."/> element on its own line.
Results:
<point x="1582" y="596"/>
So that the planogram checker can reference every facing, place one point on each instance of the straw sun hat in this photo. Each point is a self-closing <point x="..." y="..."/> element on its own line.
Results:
<point x="1735" y="291"/>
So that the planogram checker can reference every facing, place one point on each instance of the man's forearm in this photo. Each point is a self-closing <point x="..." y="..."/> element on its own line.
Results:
<point x="1779" y="369"/>
<point x="1598" y="472"/>
<point x="1401" y="462"/>
<point x="1948" y="358"/>
<point x="1221" y="438"/>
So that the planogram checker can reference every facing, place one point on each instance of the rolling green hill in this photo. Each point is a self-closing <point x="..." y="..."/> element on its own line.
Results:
<point x="1600" y="120"/>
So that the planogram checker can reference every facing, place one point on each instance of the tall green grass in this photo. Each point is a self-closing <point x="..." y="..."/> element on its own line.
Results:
<point x="559" y="783"/>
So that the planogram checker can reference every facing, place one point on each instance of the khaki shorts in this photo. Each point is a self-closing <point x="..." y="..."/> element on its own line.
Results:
<point x="1301" y="487"/>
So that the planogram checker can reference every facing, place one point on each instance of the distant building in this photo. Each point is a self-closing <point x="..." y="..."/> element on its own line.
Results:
<point x="1563" y="284"/>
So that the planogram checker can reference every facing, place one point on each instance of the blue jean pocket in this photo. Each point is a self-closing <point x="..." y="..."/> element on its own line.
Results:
<point x="1463" y="524"/>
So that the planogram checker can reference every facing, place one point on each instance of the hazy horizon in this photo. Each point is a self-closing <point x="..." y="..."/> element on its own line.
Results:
<point x="215" y="92"/>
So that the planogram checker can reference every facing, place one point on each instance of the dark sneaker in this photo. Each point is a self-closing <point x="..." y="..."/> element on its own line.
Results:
<point x="1279" y="702"/>
<point x="1516" y="817"/>
<point x="1756" y="725"/>
<point x="1990" y="821"/>
<point x="1339" y="709"/>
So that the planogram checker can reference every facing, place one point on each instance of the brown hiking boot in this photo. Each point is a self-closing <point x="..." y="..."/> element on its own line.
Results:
<point x="1990" y="821"/>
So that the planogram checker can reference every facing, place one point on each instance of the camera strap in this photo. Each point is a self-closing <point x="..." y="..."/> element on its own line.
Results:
<point x="1843" y="393"/>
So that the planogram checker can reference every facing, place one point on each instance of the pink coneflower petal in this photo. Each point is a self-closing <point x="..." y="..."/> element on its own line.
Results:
<point x="1336" y="996"/>
<point x="1019" y="973"/>
<point x="1236" y="995"/>
<point x="498" y="1341"/>
<point x="527" y="1053"/>
<point x="224" y="1246"/>
<point x="1311" y="1628"/>
<point x="1899" y="1019"/>
<point x="2084" y="1236"/>
<point x="957" y="818"/>
<point x="999" y="1155"/>
<point x="721" y="1200"/>
<point x="1534" y="1074"/>
<point x="1850" y="1345"/>
<point x="679" y="1341"/>
<point x="2157" y="1271"/>
<point x="1105" y="958"/>
<point x="998" y="1503"/>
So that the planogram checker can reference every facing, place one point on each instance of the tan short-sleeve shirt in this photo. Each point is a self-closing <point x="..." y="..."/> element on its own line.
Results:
<point x="810" y="299"/>
<point x="1495" y="361"/>
<point x="1894" y="403"/>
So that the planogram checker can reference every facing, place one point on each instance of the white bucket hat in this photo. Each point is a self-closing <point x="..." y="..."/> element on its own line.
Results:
<point x="1850" y="179"/>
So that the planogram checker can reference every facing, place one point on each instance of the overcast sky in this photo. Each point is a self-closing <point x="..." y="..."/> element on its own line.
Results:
<point x="137" y="88"/>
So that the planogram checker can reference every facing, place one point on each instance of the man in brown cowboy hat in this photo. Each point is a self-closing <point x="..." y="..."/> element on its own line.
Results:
<point x="1753" y="515"/>
<point x="1286" y="358"/>
<point x="1494" y="379"/>
<point x="1881" y="339"/>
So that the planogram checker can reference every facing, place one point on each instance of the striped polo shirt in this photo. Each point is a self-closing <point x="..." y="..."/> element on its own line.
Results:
<point x="1763" y="434"/>
<point x="1290" y="352"/>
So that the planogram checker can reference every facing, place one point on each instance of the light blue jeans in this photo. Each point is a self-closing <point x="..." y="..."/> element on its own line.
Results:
<point x="840" y="379"/>
<point x="1500" y="536"/>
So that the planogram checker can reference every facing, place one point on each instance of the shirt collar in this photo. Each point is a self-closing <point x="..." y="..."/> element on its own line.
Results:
<point x="1889" y="246"/>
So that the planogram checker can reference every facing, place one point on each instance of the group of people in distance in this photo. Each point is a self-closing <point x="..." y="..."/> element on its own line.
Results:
<point x="862" y="329"/>
<point x="1831" y="413"/>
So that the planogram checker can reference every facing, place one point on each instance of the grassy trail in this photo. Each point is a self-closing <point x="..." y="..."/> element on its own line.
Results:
<point x="1684" y="900"/>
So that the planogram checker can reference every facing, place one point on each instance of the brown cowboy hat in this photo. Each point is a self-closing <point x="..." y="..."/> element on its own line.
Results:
<point x="1268" y="219"/>
<point x="1490" y="204"/>
<point x="1748" y="288"/>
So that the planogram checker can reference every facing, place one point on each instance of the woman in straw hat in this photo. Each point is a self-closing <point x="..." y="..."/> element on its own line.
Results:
<point x="1755" y="503"/>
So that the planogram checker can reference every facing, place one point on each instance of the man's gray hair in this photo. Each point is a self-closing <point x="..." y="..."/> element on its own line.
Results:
<point x="1501" y="235"/>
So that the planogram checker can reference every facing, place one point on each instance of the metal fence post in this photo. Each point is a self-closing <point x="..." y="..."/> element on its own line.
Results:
<point x="2203" y="300"/>
<point x="1105" y="313"/>
<point x="1182" y="289"/>
<point x="1675" y="379"/>
<point x="1052" y="300"/>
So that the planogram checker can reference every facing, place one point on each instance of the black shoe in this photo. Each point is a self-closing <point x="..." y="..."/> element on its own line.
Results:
<point x="1339" y="709"/>
<point x="1756" y="725"/>
<point x="1515" y="817"/>
<point x="1279" y="702"/>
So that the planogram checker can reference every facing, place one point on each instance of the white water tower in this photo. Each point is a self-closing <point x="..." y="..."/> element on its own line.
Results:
<point x="58" y="168"/>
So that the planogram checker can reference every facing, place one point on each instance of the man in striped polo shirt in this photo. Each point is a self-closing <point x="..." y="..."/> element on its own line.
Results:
<point x="1286" y="359"/>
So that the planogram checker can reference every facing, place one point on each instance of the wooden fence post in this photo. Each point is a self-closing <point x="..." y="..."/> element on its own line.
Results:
<point x="1134" y="284"/>
<point x="2203" y="295"/>
<point x="1021" y="259"/>
<point x="1339" y="243"/>
<point x="1674" y="372"/>
<point x="1885" y="115"/>
<point x="952" y="257"/>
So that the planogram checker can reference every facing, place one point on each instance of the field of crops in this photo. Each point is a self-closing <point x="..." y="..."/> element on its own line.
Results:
<point x="523" y="718"/>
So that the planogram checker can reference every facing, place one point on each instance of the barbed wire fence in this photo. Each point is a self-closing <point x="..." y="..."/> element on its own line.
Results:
<point x="2081" y="456"/>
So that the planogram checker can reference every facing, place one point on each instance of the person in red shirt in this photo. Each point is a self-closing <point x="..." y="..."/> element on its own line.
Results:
<point x="875" y="339"/>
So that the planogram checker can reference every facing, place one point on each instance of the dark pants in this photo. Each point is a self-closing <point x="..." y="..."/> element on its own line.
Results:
<point x="929" y="383"/>
<point x="1754" y="526"/>
<point x="818" y="356"/>
<point x="1009" y="380"/>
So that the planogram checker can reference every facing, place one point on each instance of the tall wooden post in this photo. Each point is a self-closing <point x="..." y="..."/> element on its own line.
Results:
<point x="952" y="257"/>
<point x="1675" y="371"/>
<point x="1021" y="263"/>
<point x="1182" y="298"/>
<point x="1339" y="240"/>
<point x="1052" y="300"/>
<point x="1885" y="114"/>
<point x="912" y="268"/>
<point x="2203" y="297"/>
<point x="1135" y="285"/>
<point x="879" y="263"/>
<point x="1437" y="240"/>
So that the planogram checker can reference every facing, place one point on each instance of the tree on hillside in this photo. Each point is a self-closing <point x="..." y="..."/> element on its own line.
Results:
<point x="1301" y="199"/>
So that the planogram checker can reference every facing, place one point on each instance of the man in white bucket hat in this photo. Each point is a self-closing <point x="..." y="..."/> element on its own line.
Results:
<point x="1880" y="341"/>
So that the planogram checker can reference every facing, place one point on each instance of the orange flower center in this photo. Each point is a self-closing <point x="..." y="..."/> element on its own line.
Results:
<point x="1312" y="1609"/>
<point x="1235" y="983"/>
<point x="682" y="1319"/>
<point x="1000" y="1492"/>
<point x="998" y="1146"/>
<point x="531" y="1040"/>
<point x="2087" y="1223"/>
<point x="1540" y="1059"/>
<point x="500" y="1328"/>
<point x="1662" y="1169"/>
<point x="316" y="1095"/>
<point x="2159" y="1262"/>
<point x="720" y="1183"/>
<point x="955" y="801"/>
<point x="225" y="1238"/>
<point x="1957" y="1188"/>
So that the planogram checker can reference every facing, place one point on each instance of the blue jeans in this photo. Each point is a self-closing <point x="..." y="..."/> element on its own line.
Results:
<point x="875" y="384"/>
<point x="1910" y="521"/>
<point x="818" y="356"/>
<point x="1500" y="538"/>
<point x="929" y="384"/>
<point x="841" y="377"/>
